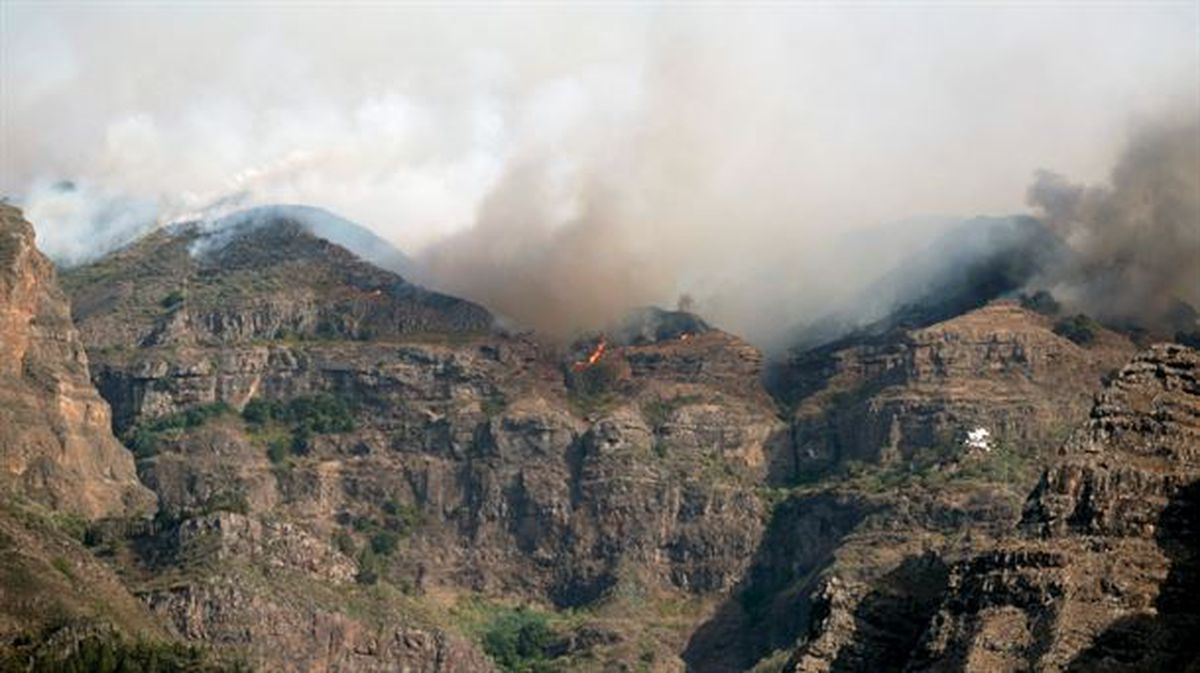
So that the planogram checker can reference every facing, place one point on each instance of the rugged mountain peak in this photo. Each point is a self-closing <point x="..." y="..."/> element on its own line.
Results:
<point x="650" y="324"/>
<point x="56" y="440"/>
<point x="188" y="285"/>
<point x="265" y="373"/>
<point x="320" y="223"/>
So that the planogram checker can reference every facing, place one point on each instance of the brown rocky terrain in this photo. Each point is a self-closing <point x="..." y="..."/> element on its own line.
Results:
<point x="451" y="464"/>
<point x="62" y="466"/>
<point x="1104" y="576"/>
<point x="56" y="439"/>
<point x="890" y="487"/>
<point x="1001" y="367"/>
<point x="60" y="606"/>
<point x="357" y="474"/>
<point x="1097" y="576"/>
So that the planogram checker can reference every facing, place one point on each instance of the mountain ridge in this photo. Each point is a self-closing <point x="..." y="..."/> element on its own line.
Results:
<point x="340" y="487"/>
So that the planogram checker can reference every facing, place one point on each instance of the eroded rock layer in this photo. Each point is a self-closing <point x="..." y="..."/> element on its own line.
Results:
<point x="56" y="441"/>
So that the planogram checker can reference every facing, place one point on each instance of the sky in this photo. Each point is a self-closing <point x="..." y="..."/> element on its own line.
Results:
<point x="563" y="162"/>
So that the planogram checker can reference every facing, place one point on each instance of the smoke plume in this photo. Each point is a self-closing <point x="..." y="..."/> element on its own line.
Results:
<point x="1137" y="240"/>
<point x="562" y="165"/>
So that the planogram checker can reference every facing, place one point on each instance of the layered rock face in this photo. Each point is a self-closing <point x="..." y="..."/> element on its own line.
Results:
<point x="356" y="474"/>
<point x="469" y="463"/>
<point x="1000" y="367"/>
<point x="1107" y="575"/>
<point x="187" y="286"/>
<point x="1100" y="573"/>
<point x="56" y="441"/>
<point x="281" y="598"/>
<point x="882" y="425"/>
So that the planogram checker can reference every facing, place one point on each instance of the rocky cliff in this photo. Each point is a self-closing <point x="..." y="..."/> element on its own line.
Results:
<point x="56" y="441"/>
<point x="358" y="474"/>
<point x="1097" y="574"/>
<point x="1001" y="368"/>
<point x="912" y="448"/>
<point x="1106" y="573"/>
<point x="60" y="606"/>
<point x="419" y="451"/>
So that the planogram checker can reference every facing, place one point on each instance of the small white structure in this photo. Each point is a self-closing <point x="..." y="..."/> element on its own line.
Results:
<point x="979" y="438"/>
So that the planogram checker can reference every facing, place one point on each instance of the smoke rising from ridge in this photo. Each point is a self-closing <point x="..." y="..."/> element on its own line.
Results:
<point x="1137" y="240"/>
<point x="562" y="165"/>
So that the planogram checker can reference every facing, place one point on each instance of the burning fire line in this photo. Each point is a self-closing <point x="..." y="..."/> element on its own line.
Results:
<point x="593" y="357"/>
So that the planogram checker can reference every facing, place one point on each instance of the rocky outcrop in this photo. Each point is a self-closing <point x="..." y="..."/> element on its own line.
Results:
<point x="471" y="463"/>
<point x="1000" y="367"/>
<point x="884" y="422"/>
<point x="188" y="286"/>
<point x="50" y="581"/>
<point x="56" y="442"/>
<point x="285" y="627"/>
<point x="270" y="593"/>
<point x="1138" y="450"/>
<point x="1099" y="575"/>
<point x="1106" y="576"/>
<point x="481" y="442"/>
<point x="343" y="459"/>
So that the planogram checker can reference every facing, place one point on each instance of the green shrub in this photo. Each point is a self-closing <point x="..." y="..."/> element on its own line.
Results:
<point x="278" y="450"/>
<point x="303" y="416"/>
<point x="371" y="566"/>
<point x="301" y="441"/>
<point x="493" y="406"/>
<point x="398" y="522"/>
<point x="318" y="414"/>
<point x="400" y="518"/>
<point x="1078" y="328"/>
<point x="258" y="411"/>
<point x="344" y="543"/>
<point x="385" y="542"/>
<point x="144" y="443"/>
<point x="227" y="501"/>
<point x="145" y="438"/>
<point x="63" y="566"/>
<point x="518" y="640"/>
<point x="111" y="653"/>
<point x="658" y="411"/>
<point x="596" y="380"/>
<point x="196" y="416"/>
<point x="593" y="388"/>
<point x="175" y="298"/>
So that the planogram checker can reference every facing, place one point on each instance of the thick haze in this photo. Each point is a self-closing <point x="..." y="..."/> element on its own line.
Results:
<point x="562" y="165"/>
<point x="1137" y="238"/>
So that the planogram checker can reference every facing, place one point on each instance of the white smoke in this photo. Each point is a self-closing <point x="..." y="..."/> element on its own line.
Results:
<point x="563" y="164"/>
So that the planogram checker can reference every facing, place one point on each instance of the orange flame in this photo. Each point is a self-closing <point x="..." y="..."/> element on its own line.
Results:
<point x="685" y="336"/>
<point x="593" y="357"/>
